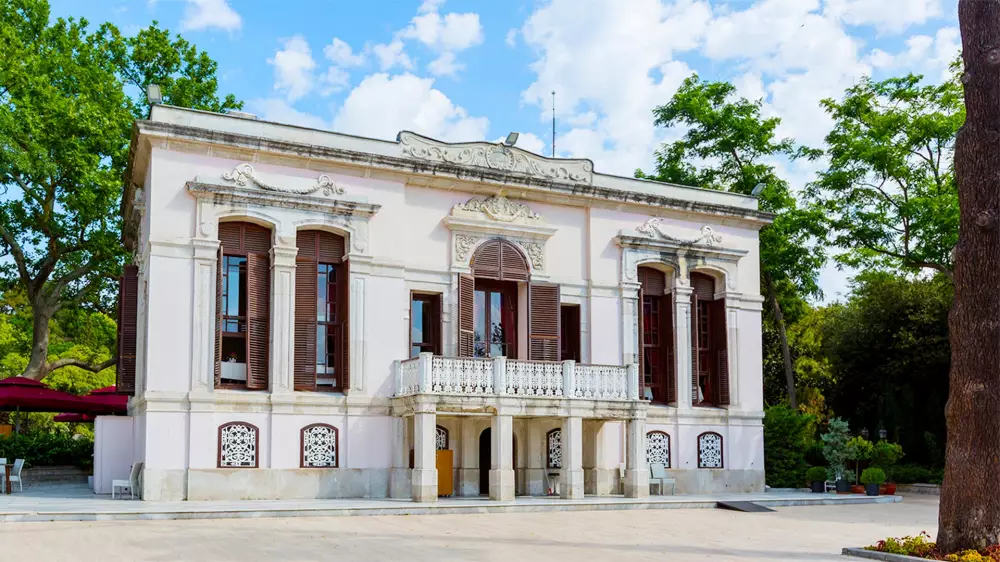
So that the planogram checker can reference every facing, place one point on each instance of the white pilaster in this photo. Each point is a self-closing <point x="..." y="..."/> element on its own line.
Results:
<point x="572" y="450"/>
<point x="636" y="469"/>
<point x="682" y="344"/>
<point x="424" y="486"/>
<point x="733" y="304"/>
<point x="282" y="353"/>
<point x="502" y="458"/>
<point x="399" y="477"/>
<point x="206" y="257"/>
<point x="630" y="322"/>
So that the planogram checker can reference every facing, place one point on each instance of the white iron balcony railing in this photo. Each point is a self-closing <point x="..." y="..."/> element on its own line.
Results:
<point x="499" y="376"/>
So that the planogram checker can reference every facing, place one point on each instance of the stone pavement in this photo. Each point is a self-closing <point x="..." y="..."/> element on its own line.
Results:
<point x="791" y="533"/>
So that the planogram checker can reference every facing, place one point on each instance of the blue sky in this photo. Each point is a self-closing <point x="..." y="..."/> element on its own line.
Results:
<point x="472" y="70"/>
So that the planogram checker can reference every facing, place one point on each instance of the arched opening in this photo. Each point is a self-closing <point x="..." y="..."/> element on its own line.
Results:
<point x="656" y="336"/>
<point x="322" y="291"/>
<point x="486" y="460"/>
<point x="709" y="344"/>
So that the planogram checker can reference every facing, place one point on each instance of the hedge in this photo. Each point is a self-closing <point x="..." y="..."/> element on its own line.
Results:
<point x="48" y="449"/>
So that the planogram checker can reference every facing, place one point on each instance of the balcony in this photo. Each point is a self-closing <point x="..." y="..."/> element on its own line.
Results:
<point x="499" y="376"/>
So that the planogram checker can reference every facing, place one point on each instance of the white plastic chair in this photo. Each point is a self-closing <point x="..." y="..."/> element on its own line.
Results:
<point x="15" y="474"/>
<point x="658" y="478"/>
<point x="132" y="483"/>
<point x="3" y="461"/>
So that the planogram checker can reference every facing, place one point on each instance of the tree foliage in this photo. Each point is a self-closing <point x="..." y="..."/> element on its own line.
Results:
<point x="890" y="184"/>
<point x="68" y="97"/>
<point x="787" y="436"/>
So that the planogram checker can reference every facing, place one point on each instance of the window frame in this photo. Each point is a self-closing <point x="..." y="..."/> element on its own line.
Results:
<point x="434" y="301"/>
<point x="570" y="336"/>
<point x="548" y="448"/>
<point x="722" y="451"/>
<point x="669" y="446"/>
<point x="508" y="292"/>
<point x="256" y="447"/>
<point x="302" y="445"/>
<point x="332" y="324"/>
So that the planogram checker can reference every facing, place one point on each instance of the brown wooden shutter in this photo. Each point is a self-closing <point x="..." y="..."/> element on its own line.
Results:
<point x="258" y="320"/>
<point x="513" y="265"/>
<point x="670" y="371"/>
<point x="466" y="315"/>
<point x="304" y="372"/>
<point x="486" y="261"/>
<point x="128" y="330"/>
<point x="218" y="316"/>
<point x="720" y="341"/>
<point x="642" y="340"/>
<point x="231" y="236"/>
<point x="543" y="322"/>
<point x="344" y="309"/>
<point x="694" y="348"/>
<point x="256" y="239"/>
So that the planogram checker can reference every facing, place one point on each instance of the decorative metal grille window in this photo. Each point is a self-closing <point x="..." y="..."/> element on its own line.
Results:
<point x="710" y="450"/>
<point x="441" y="439"/>
<point x="658" y="448"/>
<point x="238" y="443"/>
<point x="319" y="446"/>
<point x="554" y="440"/>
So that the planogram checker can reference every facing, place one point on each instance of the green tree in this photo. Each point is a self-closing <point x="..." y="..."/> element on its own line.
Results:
<point x="68" y="97"/>
<point x="890" y="186"/>
<point x="729" y="146"/>
<point x="787" y="437"/>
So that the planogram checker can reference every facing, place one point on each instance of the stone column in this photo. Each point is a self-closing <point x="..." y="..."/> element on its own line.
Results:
<point x="400" y="477"/>
<point x="636" y="470"/>
<point x="282" y="353"/>
<point x="424" y="482"/>
<point x="571" y="487"/>
<point x="502" y="458"/>
<point x="682" y="344"/>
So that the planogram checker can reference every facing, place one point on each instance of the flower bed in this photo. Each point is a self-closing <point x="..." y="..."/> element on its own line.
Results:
<point x="921" y="546"/>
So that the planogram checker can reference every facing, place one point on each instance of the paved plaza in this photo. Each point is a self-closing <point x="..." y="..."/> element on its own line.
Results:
<point x="790" y="533"/>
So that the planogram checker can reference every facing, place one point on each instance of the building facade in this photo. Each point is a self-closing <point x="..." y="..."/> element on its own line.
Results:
<point x="316" y="315"/>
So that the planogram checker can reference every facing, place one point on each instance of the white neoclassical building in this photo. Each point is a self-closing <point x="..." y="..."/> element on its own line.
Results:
<point x="318" y="315"/>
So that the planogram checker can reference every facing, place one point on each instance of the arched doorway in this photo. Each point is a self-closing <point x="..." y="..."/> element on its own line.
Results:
<point x="486" y="460"/>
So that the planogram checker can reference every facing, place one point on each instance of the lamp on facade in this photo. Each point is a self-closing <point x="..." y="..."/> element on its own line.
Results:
<point x="511" y="139"/>
<point x="153" y="94"/>
<point x="882" y="433"/>
<point x="864" y="433"/>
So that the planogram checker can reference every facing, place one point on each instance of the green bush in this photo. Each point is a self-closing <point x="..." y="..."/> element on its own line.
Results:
<point x="916" y="474"/>
<point x="835" y="446"/>
<point x="48" y="449"/>
<point x="885" y="454"/>
<point x="816" y="474"/>
<point x="786" y="439"/>
<point x="873" y="475"/>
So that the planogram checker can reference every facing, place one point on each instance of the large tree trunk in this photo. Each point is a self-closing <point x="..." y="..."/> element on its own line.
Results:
<point x="786" y="354"/>
<point x="969" y="514"/>
<point x="37" y="367"/>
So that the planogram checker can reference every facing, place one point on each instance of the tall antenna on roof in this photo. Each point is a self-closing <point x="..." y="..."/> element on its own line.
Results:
<point x="553" y="123"/>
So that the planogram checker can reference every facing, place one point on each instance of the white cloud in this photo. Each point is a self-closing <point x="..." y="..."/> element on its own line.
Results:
<point x="532" y="143"/>
<point x="335" y="80"/>
<point x="451" y="32"/>
<point x="445" y="65"/>
<point x="430" y="6"/>
<point x="341" y="54"/>
<point x="391" y="55"/>
<point x="293" y="68"/>
<point x="511" y="39"/>
<point x="208" y="14"/>
<point x="382" y="105"/>
<point x="887" y="16"/>
<point x="277" y="109"/>
<point x="923" y="54"/>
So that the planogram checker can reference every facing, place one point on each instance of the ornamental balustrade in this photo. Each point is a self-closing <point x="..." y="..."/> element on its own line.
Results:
<point x="499" y="376"/>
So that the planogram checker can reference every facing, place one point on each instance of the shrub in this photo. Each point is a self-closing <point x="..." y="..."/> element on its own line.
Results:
<point x="916" y="474"/>
<point x="873" y="475"/>
<point x="835" y="446"/>
<point x="786" y="439"/>
<point x="920" y="546"/>
<point x="885" y="454"/>
<point x="816" y="474"/>
<point x="48" y="449"/>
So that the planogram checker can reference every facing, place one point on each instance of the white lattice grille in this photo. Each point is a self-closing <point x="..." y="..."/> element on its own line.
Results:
<point x="555" y="448"/>
<point x="441" y="439"/>
<point x="658" y="448"/>
<point x="238" y="446"/>
<point x="709" y="450"/>
<point x="319" y="447"/>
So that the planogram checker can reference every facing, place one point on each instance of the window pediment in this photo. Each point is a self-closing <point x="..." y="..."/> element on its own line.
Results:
<point x="477" y="220"/>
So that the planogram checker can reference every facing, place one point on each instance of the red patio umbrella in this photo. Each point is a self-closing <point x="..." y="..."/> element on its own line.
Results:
<point x="104" y="401"/>
<point x="74" y="418"/>
<point x="29" y="395"/>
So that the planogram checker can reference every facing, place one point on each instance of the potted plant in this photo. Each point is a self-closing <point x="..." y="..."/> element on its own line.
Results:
<point x="884" y="455"/>
<point x="816" y="476"/>
<point x="835" y="452"/>
<point x="872" y="478"/>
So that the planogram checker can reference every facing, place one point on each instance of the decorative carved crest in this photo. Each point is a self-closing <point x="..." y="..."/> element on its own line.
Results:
<point x="244" y="173"/>
<point x="496" y="157"/>
<point x="498" y="208"/>
<point x="652" y="229"/>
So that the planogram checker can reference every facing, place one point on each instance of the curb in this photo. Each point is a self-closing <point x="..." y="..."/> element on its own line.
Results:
<point x="875" y="555"/>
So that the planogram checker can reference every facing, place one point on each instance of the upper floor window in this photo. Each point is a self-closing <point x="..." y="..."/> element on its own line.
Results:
<point x="425" y="324"/>
<point x="656" y="337"/>
<point x="709" y="344"/>
<point x="321" y="312"/>
<point x="242" y="333"/>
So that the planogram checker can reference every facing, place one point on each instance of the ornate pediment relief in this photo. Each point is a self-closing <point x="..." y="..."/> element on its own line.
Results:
<point x="496" y="157"/>
<point x="652" y="229"/>
<point x="498" y="208"/>
<point x="244" y="174"/>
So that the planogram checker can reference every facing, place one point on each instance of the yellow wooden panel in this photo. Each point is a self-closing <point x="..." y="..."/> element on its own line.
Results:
<point x="445" y="470"/>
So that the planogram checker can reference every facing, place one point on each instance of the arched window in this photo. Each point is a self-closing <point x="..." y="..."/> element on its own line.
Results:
<point x="710" y="450"/>
<point x="321" y="312"/>
<point x="658" y="448"/>
<point x="656" y="337"/>
<point x="709" y="344"/>
<point x="441" y="439"/>
<point x="238" y="445"/>
<point x="500" y="260"/>
<point x="319" y="446"/>
<point x="553" y="440"/>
